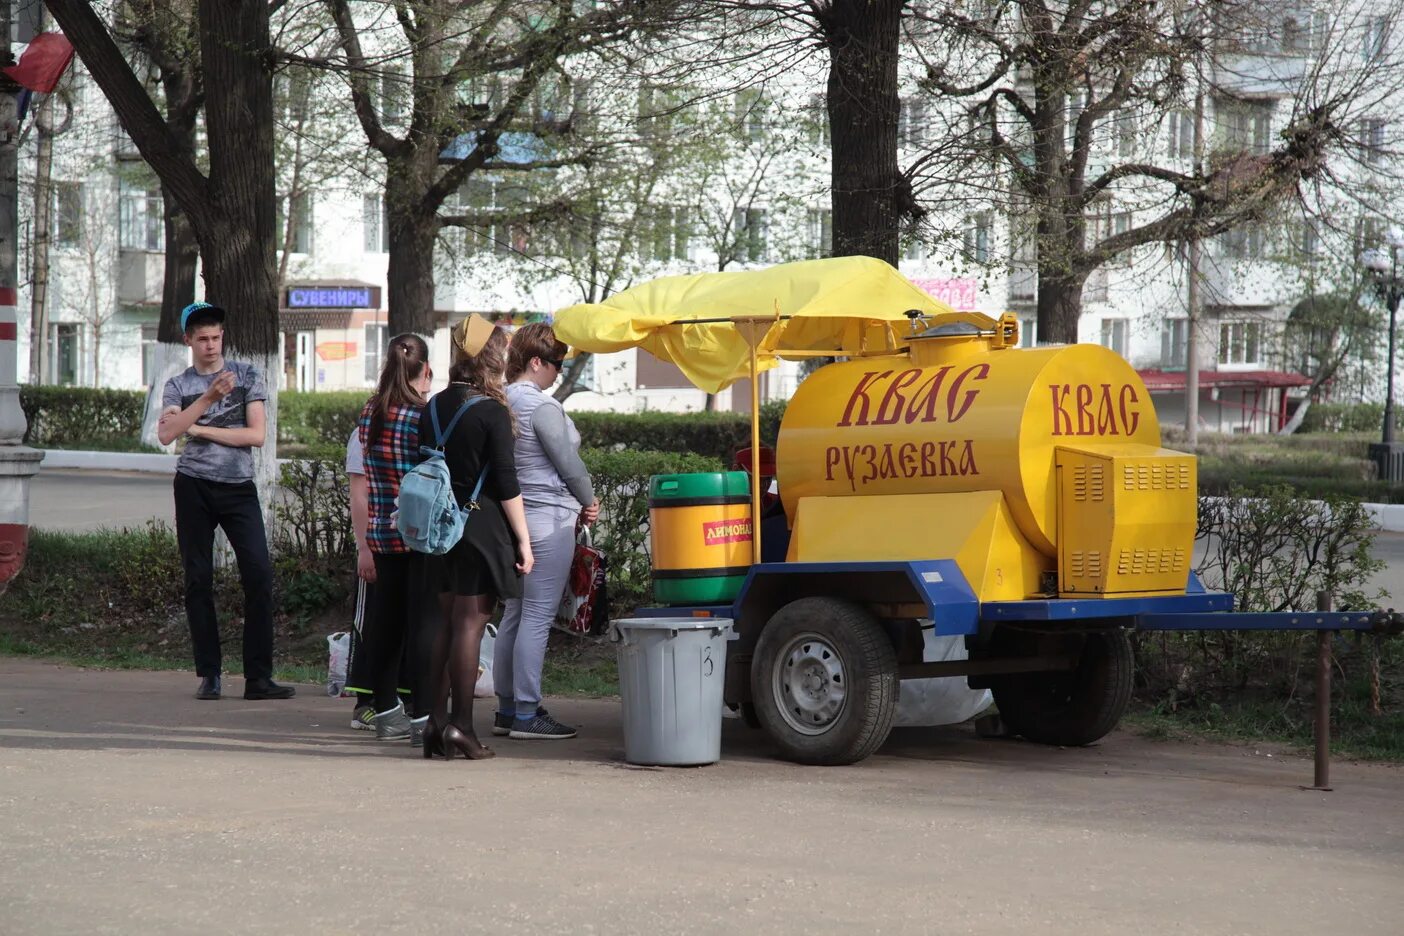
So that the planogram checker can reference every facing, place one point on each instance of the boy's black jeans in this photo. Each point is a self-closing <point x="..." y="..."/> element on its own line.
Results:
<point x="201" y="506"/>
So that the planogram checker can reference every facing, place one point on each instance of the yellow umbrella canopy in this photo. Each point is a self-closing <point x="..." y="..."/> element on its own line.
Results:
<point x="843" y="305"/>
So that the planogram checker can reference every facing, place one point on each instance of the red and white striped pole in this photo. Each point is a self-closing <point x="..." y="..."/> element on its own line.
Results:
<point x="17" y="463"/>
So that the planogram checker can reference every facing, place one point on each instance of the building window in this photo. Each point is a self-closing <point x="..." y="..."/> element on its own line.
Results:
<point x="1372" y="139"/>
<point x="1077" y="103"/>
<point x="820" y="224"/>
<point x="1114" y="334"/>
<point x="913" y="248"/>
<point x="669" y="234"/>
<point x="1242" y="243"/>
<point x="750" y="113"/>
<point x="1246" y="126"/>
<point x="1309" y="240"/>
<point x="1240" y="343"/>
<point x="501" y="233"/>
<point x="818" y="113"/>
<point x="1376" y="34"/>
<point x="1369" y="233"/>
<point x="68" y="213"/>
<point x="1028" y="332"/>
<point x="63" y="354"/>
<point x="149" y="346"/>
<point x="656" y="109"/>
<point x="1181" y="134"/>
<point x="376" y="231"/>
<point x="141" y="221"/>
<point x="376" y="340"/>
<point x="394" y="94"/>
<point x="912" y="123"/>
<point x="1174" y="342"/>
<point x="302" y="222"/>
<point x="1126" y="133"/>
<point x="750" y="230"/>
<point x="977" y="238"/>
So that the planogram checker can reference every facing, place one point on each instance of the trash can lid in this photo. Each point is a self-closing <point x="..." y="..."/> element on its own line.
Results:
<point x="673" y="623"/>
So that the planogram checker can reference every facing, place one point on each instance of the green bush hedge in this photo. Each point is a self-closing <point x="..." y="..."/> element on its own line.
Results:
<point x="621" y="483"/>
<point x="319" y="418"/>
<point x="67" y="417"/>
<point x="1346" y="417"/>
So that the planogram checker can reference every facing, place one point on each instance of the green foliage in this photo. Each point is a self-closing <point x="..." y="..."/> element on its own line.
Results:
<point x="69" y="417"/>
<point x="1346" y="417"/>
<point x="148" y="570"/>
<point x="1323" y="465"/>
<point x="621" y="483"/>
<point x="319" y="418"/>
<point x="313" y="509"/>
<point x="714" y="435"/>
<point x="1274" y="550"/>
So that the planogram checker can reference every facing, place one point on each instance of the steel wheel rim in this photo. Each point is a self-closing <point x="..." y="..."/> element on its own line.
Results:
<point x="809" y="684"/>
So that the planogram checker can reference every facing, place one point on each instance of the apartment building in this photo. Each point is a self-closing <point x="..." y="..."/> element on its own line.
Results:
<point x="763" y="200"/>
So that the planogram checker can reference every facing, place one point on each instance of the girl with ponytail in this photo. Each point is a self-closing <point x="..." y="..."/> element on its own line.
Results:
<point x="489" y="561"/>
<point x="389" y="435"/>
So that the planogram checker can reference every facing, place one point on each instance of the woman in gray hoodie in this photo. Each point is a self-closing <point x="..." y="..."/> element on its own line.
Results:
<point x="557" y="493"/>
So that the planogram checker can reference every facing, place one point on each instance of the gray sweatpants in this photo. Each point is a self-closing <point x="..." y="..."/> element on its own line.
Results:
<point x="520" y="648"/>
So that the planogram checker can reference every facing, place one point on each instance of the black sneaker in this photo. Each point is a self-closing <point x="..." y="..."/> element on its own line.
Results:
<point x="209" y="689"/>
<point x="540" y="728"/>
<point x="502" y="723"/>
<point x="259" y="689"/>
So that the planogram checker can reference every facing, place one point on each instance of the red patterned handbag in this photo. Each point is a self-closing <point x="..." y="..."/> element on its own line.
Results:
<point x="584" y="603"/>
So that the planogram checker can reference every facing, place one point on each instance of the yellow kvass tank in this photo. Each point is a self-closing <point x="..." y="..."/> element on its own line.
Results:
<point x="1018" y="463"/>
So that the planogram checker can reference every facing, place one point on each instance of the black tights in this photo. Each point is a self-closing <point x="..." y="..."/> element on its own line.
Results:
<point x="451" y="651"/>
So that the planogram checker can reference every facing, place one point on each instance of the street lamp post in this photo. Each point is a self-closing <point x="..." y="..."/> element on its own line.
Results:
<point x="1384" y="269"/>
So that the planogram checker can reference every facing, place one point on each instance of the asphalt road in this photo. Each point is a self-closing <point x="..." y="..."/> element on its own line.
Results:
<point x="87" y="500"/>
<point x="129" y="807"/>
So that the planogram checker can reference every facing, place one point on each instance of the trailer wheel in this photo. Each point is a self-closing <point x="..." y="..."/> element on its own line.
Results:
<point x="1075" y="707"/>
<point x="824" y="681"/>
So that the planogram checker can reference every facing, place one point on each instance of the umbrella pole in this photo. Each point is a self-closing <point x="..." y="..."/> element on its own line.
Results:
<point x="755" y="453"/>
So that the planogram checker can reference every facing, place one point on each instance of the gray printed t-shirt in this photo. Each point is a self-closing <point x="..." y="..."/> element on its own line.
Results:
<point x="202" y="458"/>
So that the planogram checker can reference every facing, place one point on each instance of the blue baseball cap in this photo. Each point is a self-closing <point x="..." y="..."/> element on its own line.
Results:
<point x="194" y="307"/>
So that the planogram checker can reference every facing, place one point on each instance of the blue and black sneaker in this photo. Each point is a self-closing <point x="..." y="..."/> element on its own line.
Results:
<point x="502" y="722"/>
<point x="540" y="727"/>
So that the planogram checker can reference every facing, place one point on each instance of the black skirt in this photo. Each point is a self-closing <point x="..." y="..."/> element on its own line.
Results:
<point x="484" y="561"/>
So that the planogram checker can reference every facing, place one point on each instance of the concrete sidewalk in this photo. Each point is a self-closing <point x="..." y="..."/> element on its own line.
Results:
<point x="128" y="807"/>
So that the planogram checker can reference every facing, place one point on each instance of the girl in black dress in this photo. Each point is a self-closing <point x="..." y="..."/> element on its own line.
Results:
<point x="489" y="561"/>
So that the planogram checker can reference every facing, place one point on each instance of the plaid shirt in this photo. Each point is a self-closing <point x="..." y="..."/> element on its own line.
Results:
<point x="388" y="460"/>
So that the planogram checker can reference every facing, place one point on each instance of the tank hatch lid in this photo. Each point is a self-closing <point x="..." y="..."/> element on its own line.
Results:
<point x="950" y="330"/>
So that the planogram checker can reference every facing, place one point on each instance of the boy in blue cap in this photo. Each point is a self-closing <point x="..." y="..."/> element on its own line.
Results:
<point x="218" y="406"/>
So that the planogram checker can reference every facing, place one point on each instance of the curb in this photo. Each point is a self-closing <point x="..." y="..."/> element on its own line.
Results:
<point x="110" y="461"/>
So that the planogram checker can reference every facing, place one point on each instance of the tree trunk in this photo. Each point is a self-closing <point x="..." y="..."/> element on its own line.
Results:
<point x="410" y="273"/>
<point x="870" y="194"/>
<point x="1059" y="305"/>
<point x="177" y="292"/>
<point x="43" y="209"/>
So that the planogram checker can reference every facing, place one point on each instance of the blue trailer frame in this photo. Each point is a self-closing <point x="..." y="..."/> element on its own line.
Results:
<point x="939" y="587"/>
<point x="952" y="605"/>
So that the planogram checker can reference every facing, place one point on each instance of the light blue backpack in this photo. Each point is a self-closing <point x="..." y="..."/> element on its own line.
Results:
<point x="427" y="513"/>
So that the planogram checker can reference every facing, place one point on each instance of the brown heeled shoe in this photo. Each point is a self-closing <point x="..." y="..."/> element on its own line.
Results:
<point x="433" y="741"/>
<point x="466" y="744"/>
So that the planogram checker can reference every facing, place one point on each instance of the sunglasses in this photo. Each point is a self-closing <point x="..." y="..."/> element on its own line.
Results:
<point x="557" y="363"/>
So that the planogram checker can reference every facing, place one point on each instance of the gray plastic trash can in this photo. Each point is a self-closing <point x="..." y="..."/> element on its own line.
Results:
<point x="671" y="672"/>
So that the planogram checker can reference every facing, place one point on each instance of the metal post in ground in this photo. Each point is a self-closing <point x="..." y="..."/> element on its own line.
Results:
<point x="1323" y="700"/>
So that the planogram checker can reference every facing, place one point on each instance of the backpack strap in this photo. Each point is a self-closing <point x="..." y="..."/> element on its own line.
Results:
<point x="477" y="489"/>
<point x="441" y="436"/>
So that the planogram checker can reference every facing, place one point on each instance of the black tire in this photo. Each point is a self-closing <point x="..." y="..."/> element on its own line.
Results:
<point x="827" y="643"/>
<point x="749" y="717"/>
<point x="1074" y="707"/>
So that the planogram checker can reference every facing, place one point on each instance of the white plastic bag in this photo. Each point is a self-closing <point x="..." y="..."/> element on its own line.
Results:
<point x="485" y="688"/>
<point x="338" y="659"/>
<point x="943" y="700"/>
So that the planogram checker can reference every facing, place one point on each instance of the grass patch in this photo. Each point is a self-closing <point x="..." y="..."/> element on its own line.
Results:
<point x="1354" y="731"/>
<point x="580" y="666"/>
